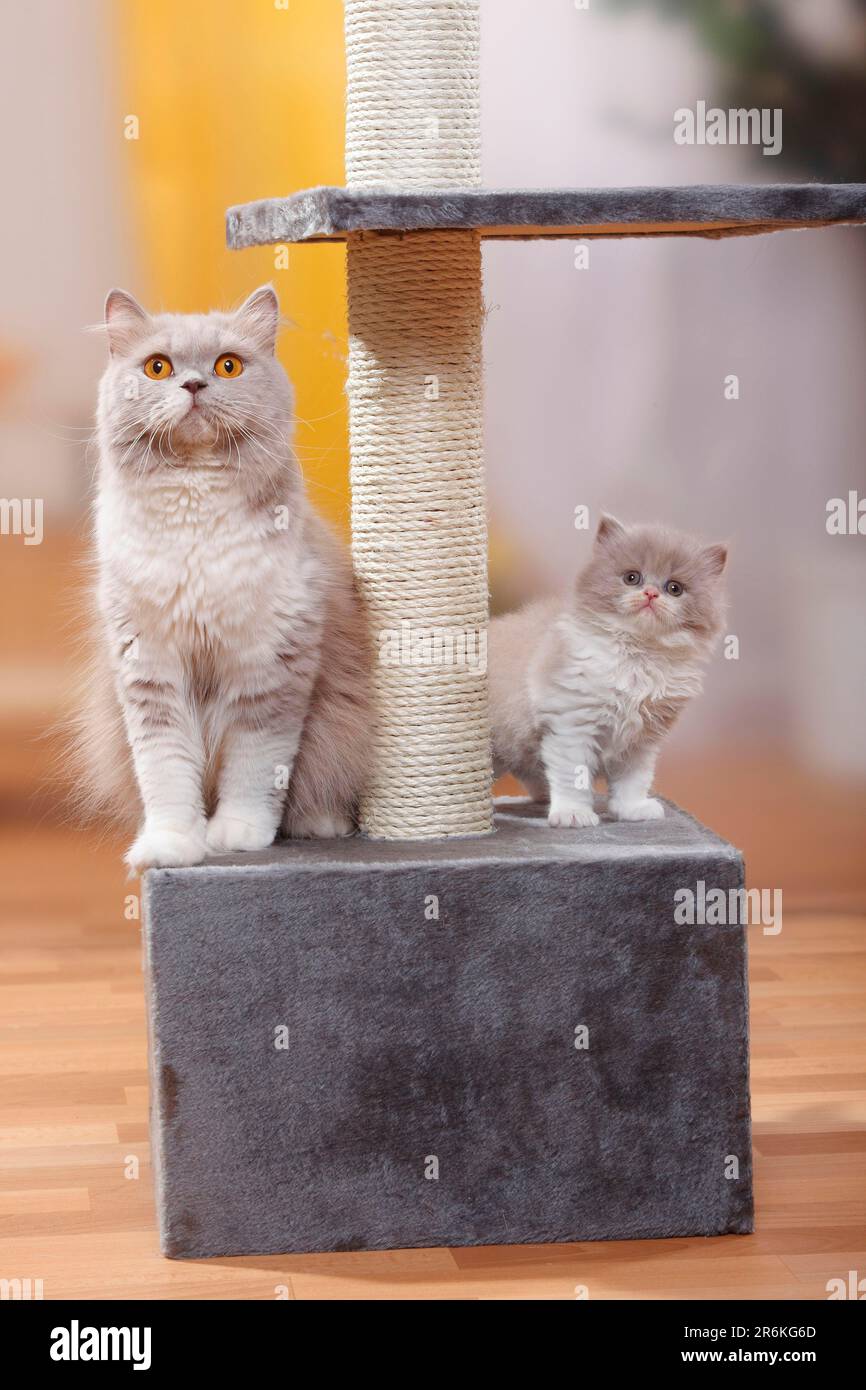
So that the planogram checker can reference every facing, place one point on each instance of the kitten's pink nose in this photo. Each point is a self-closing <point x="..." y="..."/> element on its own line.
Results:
<point x="651" y="593"/>
<point x="193" y="385"/>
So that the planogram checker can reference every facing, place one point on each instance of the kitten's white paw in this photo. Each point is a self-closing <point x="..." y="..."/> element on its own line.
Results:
<point x="575" y="817"/>
<point x="648" y="809"/>
<point x="323" y="827"/>
<point x="228" y="831"/>
<point x="165" y="849"/>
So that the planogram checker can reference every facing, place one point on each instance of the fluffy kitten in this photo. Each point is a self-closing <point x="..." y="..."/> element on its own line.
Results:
<point x="231" y="654"/>
<point x="592" y="683"/>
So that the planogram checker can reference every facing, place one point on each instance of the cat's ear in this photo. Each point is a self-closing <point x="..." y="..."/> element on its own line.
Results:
<point x="714" y="558"/>
<point x="609" y="528"/>
<point x="260" y="317"/>
<point x="125" y="321"/>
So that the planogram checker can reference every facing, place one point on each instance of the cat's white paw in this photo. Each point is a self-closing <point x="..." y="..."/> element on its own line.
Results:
<point x="574" y="817"/>
<point x="647" y="809"/>
<point x="160" y="848"/>
<point x="323" y="827"/>
<point x="228" y="831"/>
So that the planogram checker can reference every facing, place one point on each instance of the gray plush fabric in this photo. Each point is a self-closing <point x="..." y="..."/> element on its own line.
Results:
<point x="453" y="1038"/>
<point x="327" y="213"/>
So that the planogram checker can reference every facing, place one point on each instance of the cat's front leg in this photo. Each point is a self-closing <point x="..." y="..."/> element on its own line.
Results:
<point x="167" y="753"/>
<point x="630" y="779"/>
<point x="570" y="760"/>
<point x="263" y="725"/>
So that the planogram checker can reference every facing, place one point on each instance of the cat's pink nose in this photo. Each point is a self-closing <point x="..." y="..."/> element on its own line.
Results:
<point x="651" y="593"/>
<point x="193" y="385"/>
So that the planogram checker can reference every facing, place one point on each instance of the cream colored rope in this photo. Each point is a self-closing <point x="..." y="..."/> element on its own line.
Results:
<point x="413" y="113"/>
<point x="419" y="523"/>
<point x="419" y="526"/>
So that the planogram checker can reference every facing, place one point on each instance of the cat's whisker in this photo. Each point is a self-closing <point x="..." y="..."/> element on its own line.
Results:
<point x="257" y="443"/>
<point x="133" y="445"/>
<point x="84" y="431"/>
<point x="317" y="419"/>
<point x="252" y="439"/>
<point x="120" y="435"/>
<point x="280" y="433"/>
<point x="238" y="451"/>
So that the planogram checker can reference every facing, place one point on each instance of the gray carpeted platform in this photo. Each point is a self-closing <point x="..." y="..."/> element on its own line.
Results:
<point x="732" y="209"/>
<point x="419" y="1045"/>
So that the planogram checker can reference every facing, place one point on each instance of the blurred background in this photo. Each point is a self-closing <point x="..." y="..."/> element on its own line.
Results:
<point x="130" y="127"/>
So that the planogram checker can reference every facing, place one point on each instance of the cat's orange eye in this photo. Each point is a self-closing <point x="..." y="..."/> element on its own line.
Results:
<point x="228" y="365"/>
<point x="158" y="367"/>
<point x="674" y="588"/>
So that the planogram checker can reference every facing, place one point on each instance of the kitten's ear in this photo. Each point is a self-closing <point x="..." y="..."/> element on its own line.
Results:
<point x="260" y="317"/>
<point x="125" y="320"/>
<point x="608" y="528"/>
<point x="715" y="557"/>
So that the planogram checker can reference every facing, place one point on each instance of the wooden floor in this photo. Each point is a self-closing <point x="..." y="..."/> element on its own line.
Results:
<point x="73" y="1118"/>
<point x="73" y="1094"/>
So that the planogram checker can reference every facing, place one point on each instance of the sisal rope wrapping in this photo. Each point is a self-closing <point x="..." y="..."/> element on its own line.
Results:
<point x="413" y="109"/>
<point x="419" y="519"/>
<point x="419" y="525"/>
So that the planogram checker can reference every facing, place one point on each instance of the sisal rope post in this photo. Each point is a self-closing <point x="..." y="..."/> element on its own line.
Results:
<point x="419" y="520"/>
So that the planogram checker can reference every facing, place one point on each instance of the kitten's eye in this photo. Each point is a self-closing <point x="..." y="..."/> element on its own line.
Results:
<point x="632" y="577"/>
<point x="158" y="367"/>
<point x="228" y="365"/>
<point x="674" y="588"/>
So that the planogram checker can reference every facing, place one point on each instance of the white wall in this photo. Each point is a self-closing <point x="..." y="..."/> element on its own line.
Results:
<point x="605" y="386"/>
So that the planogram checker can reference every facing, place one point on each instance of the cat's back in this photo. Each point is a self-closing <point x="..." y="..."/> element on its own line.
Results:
<point x="515" y="639"/>
<point x="515" y="643"/>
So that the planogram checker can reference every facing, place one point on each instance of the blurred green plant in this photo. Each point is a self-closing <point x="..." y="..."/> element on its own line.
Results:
<point x="767" y="61"/>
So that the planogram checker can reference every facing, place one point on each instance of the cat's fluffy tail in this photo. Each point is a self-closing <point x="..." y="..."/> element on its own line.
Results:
<point x="332" y="763"/>
<point x="100" y="765"/>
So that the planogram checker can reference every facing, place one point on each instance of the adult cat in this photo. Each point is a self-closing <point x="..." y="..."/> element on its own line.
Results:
<point x="230" y="693"/>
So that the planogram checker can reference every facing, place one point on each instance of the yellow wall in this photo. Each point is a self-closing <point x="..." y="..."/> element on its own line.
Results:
<point x="240" y="99"/>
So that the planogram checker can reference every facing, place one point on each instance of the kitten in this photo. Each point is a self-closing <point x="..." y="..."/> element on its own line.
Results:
<point x="230" y="690"/>
<point x="593" y="682"/>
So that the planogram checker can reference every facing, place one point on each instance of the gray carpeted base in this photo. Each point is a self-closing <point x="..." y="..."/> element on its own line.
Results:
<point x="729" y="209"/>
<point x="335" y="1067"/>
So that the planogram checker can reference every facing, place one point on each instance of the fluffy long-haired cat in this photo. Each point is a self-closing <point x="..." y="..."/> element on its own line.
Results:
<point x="592" y="683"/>
<point x="229" y="694"/>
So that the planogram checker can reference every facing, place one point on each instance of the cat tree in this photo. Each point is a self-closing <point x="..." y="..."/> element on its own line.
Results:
<point x="462" y="1027"/>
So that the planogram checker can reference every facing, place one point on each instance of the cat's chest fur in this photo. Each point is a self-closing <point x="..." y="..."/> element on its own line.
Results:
<point x="188" y="559"/>
<point x="616" y="694"/>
